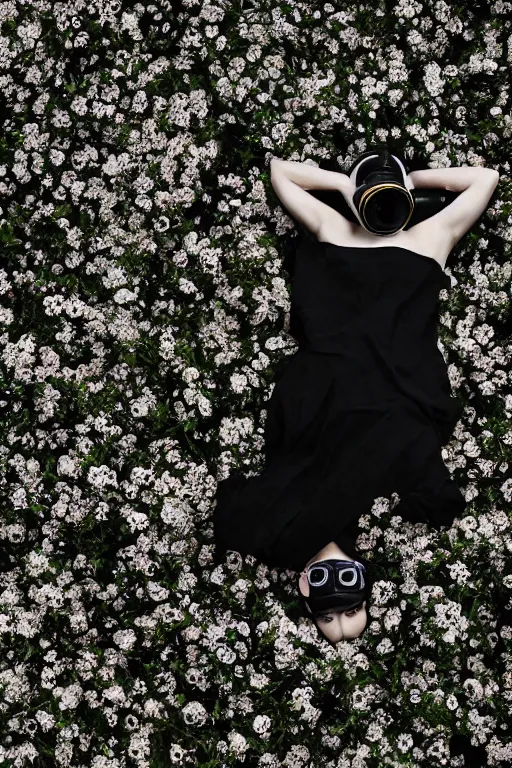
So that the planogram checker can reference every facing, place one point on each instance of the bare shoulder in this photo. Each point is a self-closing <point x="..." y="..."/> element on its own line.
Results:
<point x="335" y="228"/>
<point x="436" y="242"/>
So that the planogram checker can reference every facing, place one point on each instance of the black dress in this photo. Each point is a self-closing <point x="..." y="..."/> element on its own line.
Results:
<point x="361" y="410"/>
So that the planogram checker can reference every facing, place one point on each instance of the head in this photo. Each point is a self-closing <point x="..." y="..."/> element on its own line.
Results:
<point x="343" y="622"/>
<point x="382" y="200"/>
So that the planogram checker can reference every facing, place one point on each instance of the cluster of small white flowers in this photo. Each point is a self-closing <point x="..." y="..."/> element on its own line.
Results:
<point x="232" y="429"/>
<point x="459" y="572"/>
<point x="434" y="83"/>
<point x="497" y="752"/>
<point x="449" y="616"/>
<point x="120" y="299"/>
<point x="382" y="592"/>
<point x="407" y="9"/>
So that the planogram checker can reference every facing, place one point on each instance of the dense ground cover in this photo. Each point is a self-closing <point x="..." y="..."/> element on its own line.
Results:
<point x="143" y="319"/>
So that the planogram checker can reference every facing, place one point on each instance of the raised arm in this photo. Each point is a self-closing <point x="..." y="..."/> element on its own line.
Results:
<point x="476" y="186"/>
<point x="453" y="179"/>
<point x="291" y="180"/>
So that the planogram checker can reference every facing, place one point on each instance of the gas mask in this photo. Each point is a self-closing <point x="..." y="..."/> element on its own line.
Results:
<point x="382" y="201"/>
<point x="334" y="585"/>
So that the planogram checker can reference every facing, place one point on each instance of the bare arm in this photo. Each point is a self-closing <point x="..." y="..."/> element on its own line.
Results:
<point x="453" y="179"/>
<point x="291" y="180"/>
<point x="310" y="177"/>
<point x="476" y="187"/>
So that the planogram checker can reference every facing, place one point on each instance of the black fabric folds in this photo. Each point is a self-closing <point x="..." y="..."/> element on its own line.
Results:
<point x="361" y="410"/>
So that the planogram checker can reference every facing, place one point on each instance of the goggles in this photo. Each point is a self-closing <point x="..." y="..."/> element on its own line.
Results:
<point x="335" y="585"/>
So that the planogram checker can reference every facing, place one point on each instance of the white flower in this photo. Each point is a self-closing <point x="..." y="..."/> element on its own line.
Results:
<point x="473" y="689"/>
<point x="404" y="742"/>
<point x="451" y="702"/>
<point x="68" y="465"/>
<point x="385" y="646"/>
<point x="261" y="724"/>
<point x="194" y="713"/>
<point x="123" y="296"/>
<point x="102" y="476"/>
<point x="125" y="639"/>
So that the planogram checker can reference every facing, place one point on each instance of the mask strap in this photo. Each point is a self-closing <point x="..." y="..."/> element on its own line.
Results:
<point x="407" y="180"/>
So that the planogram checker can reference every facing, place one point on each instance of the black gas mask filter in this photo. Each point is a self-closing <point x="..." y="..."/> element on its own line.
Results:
<point x="382" y="200"/>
